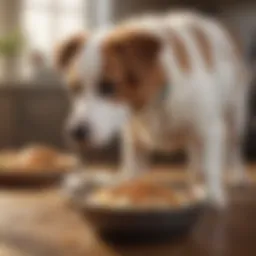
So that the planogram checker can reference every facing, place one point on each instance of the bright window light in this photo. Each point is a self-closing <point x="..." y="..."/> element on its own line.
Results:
<point x="45" y="22"/>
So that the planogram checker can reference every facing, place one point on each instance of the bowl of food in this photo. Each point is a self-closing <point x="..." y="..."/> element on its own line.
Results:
<point x="139" y="209"/>
<point x="35" y="164"/>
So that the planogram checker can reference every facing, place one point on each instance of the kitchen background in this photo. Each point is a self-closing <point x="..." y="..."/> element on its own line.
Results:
<point x="33" y="102"/>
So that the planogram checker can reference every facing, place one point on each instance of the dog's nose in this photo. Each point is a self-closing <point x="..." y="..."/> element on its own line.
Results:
<point x="81" y="132"/>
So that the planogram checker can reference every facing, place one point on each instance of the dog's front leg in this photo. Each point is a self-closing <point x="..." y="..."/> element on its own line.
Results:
<point x="195" y="163"/>
<point x="213" y="160"/>
<point x="134" y="157"/>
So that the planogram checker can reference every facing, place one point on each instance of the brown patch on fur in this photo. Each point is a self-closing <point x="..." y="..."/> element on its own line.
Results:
<point x="180" y="51"/>
<point x="68" y="50"/>
<point x="130" y="62"/>
<point x="204" y="46"/>
<point x="137" y="47"/>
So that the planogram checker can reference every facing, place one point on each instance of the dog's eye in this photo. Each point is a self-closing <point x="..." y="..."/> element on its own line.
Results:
<point x="106" y="88"/>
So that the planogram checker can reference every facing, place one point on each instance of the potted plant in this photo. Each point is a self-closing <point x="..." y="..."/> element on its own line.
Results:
<point x="10" y="49"/>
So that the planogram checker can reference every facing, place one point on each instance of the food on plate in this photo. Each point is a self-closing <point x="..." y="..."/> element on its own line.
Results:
<point x="36" y="157"/>
<point x="141" y="194"/>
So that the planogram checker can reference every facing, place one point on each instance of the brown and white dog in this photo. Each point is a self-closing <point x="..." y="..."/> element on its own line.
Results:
<point x="165" y="82"/>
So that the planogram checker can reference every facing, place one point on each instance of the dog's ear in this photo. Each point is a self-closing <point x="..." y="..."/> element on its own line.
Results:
<point x="136" y="46"/>
<point x="68" y="50"/>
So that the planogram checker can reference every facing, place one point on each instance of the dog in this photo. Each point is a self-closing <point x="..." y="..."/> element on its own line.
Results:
<point x="162" y="82"/>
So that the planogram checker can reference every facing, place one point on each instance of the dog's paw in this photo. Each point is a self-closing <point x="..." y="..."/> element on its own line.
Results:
<point x="218" y="200"/>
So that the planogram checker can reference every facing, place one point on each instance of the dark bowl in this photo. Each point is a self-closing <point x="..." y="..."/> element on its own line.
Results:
<point x="143" y="225"/>
<point x="127" y="224"/>
<point x="32" y="179"/>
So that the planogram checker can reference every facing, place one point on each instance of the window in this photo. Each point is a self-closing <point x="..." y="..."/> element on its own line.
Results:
<point x="45" y="22"/>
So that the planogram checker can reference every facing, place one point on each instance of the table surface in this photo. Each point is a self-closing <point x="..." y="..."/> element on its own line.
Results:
<point x="41" y="223"/>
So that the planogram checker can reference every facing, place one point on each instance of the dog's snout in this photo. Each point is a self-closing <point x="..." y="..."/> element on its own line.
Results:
<point x="81" y="132"/>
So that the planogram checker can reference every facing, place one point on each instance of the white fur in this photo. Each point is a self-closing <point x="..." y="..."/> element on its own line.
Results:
<point x="104" y="117"/>
<point x="196" y="108"/>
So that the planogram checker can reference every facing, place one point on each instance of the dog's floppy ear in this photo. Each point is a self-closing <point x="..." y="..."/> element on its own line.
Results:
<point x="139" y="46"/>
<point x="68" y="50"/>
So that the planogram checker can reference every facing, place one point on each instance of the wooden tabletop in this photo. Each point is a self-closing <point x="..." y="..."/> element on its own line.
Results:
<point x="40" y="223"/>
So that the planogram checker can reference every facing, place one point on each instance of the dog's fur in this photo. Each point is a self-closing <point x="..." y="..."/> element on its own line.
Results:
<point x="177" y="80"/>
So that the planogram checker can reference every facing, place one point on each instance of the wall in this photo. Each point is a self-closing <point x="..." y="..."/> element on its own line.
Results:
<point x="123" y="9"/>
<point x="243" y="19"/>
<point x="32" y="115"/>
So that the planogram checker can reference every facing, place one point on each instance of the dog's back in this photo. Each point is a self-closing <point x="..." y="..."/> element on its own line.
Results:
<point x="202" y="55"/>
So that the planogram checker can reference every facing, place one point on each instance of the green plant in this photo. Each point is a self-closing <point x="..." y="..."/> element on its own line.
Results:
<point x="11" y="44"/>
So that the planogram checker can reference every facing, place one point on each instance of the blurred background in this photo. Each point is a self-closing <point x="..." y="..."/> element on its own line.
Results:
<point x="33" y="102"/>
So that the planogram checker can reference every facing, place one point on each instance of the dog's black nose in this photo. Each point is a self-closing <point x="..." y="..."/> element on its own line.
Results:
<point x="81" y="132"/>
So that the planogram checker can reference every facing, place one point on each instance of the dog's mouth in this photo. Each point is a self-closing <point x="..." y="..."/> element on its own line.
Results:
<point x="91" y="153"/>
<point x="97" y="145"/>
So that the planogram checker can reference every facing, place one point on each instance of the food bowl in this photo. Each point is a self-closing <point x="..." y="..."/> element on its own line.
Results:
<point x="26" y="178"/>
<point x="34" y="166"/>
<point x="135" y="224"/>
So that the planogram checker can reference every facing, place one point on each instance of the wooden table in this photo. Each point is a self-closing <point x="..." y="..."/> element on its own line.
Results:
<point x="40" y="223"/>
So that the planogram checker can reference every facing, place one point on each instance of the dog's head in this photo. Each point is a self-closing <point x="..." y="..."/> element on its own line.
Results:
<point x="109" y="77"/>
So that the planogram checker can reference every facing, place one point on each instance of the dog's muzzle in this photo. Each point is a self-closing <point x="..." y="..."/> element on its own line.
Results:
<point x="80" y="133"/>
